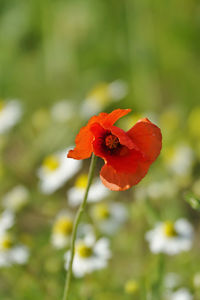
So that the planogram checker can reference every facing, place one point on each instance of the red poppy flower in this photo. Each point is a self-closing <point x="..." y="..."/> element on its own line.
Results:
<point x="127" y="155"/>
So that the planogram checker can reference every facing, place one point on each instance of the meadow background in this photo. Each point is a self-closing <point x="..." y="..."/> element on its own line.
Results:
<point x="55" y="50"/>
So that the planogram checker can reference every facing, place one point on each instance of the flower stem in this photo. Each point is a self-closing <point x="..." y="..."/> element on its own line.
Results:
<point x="158" y="284"/>
<point x="75" y="227"/>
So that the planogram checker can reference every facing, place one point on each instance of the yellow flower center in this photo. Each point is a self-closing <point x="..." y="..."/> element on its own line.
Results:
<point x="84" y="251"/>
<point x="101" y="211"/>
<point x="131" y="287"/>
<point x="63" y="226"/>
<point x="6" y="243"/>
<point x="2" y="105"/>
<point x="51" y="163"/>
<point x="81" y="181"/>
<point x="169" y="229"/>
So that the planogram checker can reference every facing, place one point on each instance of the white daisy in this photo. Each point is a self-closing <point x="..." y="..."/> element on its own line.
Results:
<point x="97" y="191"/>
<point x="118" y="89"/>
<point x="171" y="280"/>
<point x="85" y="230"/>
<point x="63" y="111"/>
<point x="15" y="199"/>
<point x="10" y="114"/>
<point x="6" y="221"/>
<point x="90" y="255"/>
<point x="103" y="94"/>
<point x="165" y="188"/>
<point x="62" y="230"/>
<point x="181" y="294"/>
<point x="12" y="254"/>
<point x="56" y="169"/>
<point x="171" y="238"/>
<point x="180" y="160"/>
<point x="109" y="216"/>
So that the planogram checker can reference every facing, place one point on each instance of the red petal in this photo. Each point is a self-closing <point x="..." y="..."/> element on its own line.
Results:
<point x="85" y="137"/>
<point x="119" y="181"/>
<point x="114" y="116"/>
<point x="123" y="137"/>
<point x="147" y="136"/>
<point x="127" y="160"/>
<point x="83" y="147"/>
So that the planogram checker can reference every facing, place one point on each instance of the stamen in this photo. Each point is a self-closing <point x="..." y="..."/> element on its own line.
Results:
<point x="101" y="211"/>
<point x="169" y="229"/>
<point x="84" y="251"/>
<point x="6" y="243"/>
<point x="51" y="163"/>
<point x="112" y="141"/>
<point x="63" y="226"/>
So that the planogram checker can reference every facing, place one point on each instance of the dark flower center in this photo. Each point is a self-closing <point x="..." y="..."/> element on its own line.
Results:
<point x="111" y="141"/>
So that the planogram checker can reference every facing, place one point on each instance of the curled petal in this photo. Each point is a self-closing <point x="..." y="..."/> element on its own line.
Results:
<point x="120" y="181"/>
<point x="114" y="116"/>
<point x="85" y="137"/>
<point x="83" y="147"/>
<point x="147" y="136"/>
<point x="124" y="159"/>
<point x="123" y="137"/>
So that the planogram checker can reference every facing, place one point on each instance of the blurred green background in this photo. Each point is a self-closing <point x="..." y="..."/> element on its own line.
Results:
<point x="54" y="50"/>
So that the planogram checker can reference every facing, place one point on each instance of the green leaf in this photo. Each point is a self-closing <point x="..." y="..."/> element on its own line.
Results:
<point x="193" y="200"/>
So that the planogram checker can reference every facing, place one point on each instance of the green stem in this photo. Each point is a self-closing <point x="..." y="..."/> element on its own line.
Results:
<point x="75" y="227"/>
<point x="158" y="284"/>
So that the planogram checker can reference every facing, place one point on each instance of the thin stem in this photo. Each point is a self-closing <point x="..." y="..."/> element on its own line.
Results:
<point x="158" y="284"/>
<point x="76" y="222"/>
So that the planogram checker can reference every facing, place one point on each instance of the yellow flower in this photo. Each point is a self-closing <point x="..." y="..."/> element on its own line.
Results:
<point x="101" y="211"/>
<point x="81" y="181"/>
<point x="6" y="242"/>
<point x="169" y="229"/>
<point x="63" y="226"/>
<point x="51" y="163"/>
<point x="131" y="287"/>
<point x="83" y="250"/>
